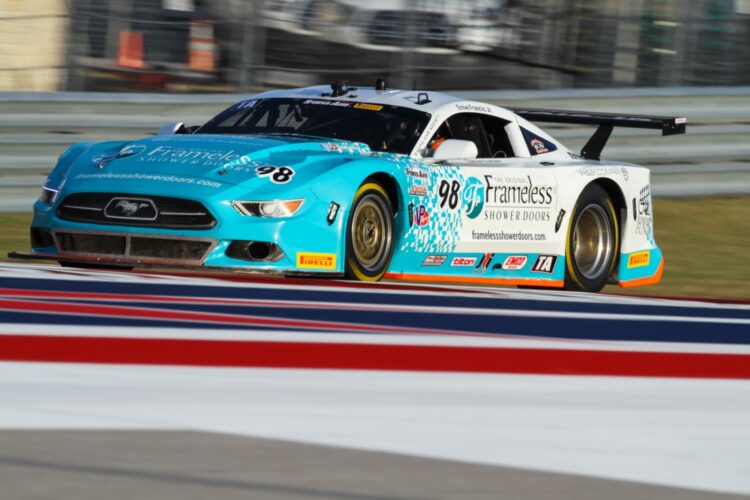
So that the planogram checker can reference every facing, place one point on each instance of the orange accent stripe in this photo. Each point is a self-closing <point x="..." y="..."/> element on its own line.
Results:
<point x="481" y="280"/>
<point x="649" y="280"/>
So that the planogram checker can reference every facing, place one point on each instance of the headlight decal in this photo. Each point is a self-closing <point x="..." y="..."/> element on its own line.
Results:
<point x="49" y="195"/>
<point x="268" y="208"/>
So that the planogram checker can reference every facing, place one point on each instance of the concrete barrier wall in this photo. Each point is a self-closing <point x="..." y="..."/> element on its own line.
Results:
<point x="713" y="158"/>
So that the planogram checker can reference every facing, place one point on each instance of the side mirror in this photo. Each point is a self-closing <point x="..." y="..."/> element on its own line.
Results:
<point x="456" y="149"/>
<point x="171" y="128"/>
<point x="176" y="128"/>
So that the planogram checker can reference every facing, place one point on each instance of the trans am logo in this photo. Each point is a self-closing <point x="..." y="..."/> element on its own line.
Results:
<point x="473" y="196"/>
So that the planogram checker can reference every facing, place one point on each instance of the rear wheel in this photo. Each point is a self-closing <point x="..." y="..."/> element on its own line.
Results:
<point x="369" y="234"/>
<point x="593" y="241"/>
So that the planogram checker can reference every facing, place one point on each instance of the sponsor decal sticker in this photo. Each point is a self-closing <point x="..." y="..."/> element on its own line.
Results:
<point x="484" y="263"/>
<point x="538" y="146"/>
<point x="545" y="264"/>
<point x="463" y="261"/>
<point x="151" y="177"/>
<point x="311" y="260"/>
<point x="346" y="148"/>
<point x="418" y="190"/>
<point x="416" y="172"/>
<point x="371" y="107"/>
<point x="434" y="260"/>
<point x="321" y="102"/>
<point x="473" y="197"/>
<point x="246" y="104"/>
<point x="517" y="199"/>
<point x="242" y="161"/>
<point x="639" y="259"/>
<point x="422" y="216"/>
<point x="514" y="262"/>
<point x="131" y="150"/>
<point x="602" y="172"/>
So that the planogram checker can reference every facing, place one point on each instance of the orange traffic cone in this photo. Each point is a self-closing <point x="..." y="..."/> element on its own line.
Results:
<point x="130" y="52"/>
<point x="202" y="49"/>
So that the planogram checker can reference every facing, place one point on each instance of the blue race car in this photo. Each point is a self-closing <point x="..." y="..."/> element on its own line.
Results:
<point x="364" y="183"/>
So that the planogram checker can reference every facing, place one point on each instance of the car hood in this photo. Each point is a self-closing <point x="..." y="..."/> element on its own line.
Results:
<point x="226" y="159"/>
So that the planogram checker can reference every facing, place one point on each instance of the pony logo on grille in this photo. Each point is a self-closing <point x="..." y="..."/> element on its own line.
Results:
<point x="131" y="208"/>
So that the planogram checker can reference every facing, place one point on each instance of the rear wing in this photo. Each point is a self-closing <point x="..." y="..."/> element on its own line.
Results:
<point x="605" y="121"/>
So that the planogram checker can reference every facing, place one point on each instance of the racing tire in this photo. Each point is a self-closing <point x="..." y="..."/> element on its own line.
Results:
<point x="369" y="234"/>
<point x="593" y="241"/>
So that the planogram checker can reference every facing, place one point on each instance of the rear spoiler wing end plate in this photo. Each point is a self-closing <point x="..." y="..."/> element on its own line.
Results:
<point x="605" y="122"/>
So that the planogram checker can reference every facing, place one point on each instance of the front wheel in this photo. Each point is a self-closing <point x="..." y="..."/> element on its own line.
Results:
<point x="369" y="234"/>
<point x="593" y="241"/>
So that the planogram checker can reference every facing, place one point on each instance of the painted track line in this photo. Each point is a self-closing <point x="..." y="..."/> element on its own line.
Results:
<point x="519" y="332"/>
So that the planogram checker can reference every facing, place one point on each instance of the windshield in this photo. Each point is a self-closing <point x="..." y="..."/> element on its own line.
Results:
<point x="382" y="127"/>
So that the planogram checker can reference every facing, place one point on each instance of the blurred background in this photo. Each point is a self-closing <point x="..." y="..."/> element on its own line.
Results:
<point x="93" y="70"/>
<point x="240" y="45"/>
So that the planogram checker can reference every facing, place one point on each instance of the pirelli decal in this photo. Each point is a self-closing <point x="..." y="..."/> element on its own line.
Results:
<point x="639" y="259"/>
<point x="371" y="107"/>
<point x="310" y="260"/>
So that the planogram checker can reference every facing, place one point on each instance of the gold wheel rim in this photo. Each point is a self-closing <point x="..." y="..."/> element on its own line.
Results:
<point x="592" y="241"/>
<point x="370" y="233"/>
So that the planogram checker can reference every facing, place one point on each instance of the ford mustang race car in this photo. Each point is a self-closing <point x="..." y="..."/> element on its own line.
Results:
<point x="363" y="183"/>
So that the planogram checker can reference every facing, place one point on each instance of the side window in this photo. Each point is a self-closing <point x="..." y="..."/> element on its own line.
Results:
<point x="487" y="132"/>
<point x="500" y="146"/>
<point x="537" y="145"/>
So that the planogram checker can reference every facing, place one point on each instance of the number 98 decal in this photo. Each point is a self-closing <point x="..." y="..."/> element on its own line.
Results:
<point x="278" y="175"/>
<point x="448" y="192"/>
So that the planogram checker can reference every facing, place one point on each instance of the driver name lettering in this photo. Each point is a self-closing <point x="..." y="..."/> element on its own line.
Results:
<point x="473" y="107"/>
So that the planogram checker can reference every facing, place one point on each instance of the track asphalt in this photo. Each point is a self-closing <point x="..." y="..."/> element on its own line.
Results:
<point x="147" y="385"/>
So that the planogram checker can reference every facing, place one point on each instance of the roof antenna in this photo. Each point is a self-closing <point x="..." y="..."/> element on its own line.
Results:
<point x="414" y="85"/>
<point x="380" y="84"/>
<point x="340" y="88"/>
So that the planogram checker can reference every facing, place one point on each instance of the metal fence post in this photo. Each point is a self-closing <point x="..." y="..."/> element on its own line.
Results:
<point x="253" y="46"/>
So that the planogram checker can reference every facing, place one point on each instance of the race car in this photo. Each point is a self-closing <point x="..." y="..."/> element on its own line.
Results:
<point x="362" y="183"/>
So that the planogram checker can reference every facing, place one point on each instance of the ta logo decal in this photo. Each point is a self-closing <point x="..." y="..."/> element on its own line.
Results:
<point x="545" y="264"/>
<point x="473" y="196"/>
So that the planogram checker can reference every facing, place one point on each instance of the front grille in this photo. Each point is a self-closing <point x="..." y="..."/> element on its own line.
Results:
<point x="136" y="210"/>
<point x="135" y="247"/>
<point x="97" y="244"/>
<point x="158" y="248"/>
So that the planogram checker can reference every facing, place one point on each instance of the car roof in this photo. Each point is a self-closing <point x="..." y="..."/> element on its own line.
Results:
<point x="393" y="97"/>
<point x="435" y="103"/>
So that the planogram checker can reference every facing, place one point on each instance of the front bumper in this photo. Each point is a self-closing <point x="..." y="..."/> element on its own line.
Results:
<point x="308" y="232"/>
